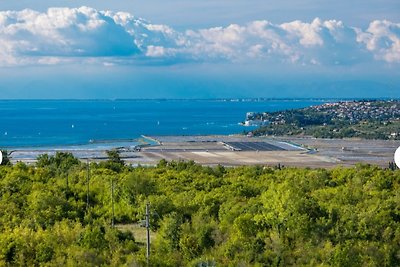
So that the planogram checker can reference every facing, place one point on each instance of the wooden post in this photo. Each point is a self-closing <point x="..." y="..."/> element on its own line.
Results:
<point x="148" y="232"/>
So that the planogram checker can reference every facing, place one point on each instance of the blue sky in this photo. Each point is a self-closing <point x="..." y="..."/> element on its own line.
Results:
<point x="199" y="49"/>
<point x="183" y="14"/>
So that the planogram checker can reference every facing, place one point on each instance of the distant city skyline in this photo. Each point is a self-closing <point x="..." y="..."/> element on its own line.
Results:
<point x="199" y="49"/>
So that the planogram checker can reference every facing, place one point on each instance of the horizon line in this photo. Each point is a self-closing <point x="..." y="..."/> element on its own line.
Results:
<point x="233" y="99"/>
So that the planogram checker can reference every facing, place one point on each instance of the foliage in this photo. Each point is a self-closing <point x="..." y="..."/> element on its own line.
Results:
<point x="6" y="159"/>
<point x="114" y="161"/>
<point x="201" y="216"/>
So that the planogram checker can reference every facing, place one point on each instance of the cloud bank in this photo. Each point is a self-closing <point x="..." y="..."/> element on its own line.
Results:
<point x="85" y="34"/>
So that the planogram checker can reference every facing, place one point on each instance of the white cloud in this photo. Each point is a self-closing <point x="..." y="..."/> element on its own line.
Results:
<point x="382" y="38"/>
<point x="318" y="42"/>
<point x="307" y="34"/>
<point x="158" y="51"/>
<point x="72" y="34"/>
<point x="63" y="32"/>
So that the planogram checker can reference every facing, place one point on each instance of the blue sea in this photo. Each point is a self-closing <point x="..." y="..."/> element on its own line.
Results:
<point x="38" y="123"/>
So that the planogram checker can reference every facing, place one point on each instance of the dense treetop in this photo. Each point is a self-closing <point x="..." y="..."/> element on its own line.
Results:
<point x="200" y="216"/>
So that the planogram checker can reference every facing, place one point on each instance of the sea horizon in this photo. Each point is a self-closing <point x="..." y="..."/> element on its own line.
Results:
<point x="85" y="122"/>
<point x="208" y="99"/>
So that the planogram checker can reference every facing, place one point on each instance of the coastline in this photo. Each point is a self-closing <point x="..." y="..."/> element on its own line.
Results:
<point x="217" y="149"/>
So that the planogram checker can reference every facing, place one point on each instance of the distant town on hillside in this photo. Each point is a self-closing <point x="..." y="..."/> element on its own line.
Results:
<point x="369" y="119"/>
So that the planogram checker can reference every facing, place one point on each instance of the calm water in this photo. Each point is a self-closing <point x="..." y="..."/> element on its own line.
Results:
<point x="67" y="122"/>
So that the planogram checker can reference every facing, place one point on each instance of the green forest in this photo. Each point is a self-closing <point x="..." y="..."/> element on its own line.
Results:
<point x="59" y="212"/>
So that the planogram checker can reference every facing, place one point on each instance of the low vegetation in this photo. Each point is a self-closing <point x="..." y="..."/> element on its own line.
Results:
<point x="200" y="216"/>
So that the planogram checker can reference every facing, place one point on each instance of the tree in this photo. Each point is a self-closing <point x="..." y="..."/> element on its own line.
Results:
<point x="114" y="157"/>
<point x="6" y="159"/>
<point x="201" y="216"/>
<point x="114" y="161"/>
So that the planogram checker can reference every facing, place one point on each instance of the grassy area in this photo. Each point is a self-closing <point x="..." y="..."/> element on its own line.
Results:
<point x="138" y="231"/>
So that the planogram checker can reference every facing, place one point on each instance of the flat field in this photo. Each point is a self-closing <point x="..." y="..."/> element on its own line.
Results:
<point x="240" y="150"/>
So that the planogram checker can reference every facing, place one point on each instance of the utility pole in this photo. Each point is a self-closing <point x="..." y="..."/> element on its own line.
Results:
<point x="148" y="232"/>
<point x="67" y="186"/>
<point x="67" y="181"/>
<point x="112" y="201"/>
<point x="87" y="185"/>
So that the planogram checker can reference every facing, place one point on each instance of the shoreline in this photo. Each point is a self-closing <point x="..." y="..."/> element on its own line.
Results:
<point x="217" y="149"/>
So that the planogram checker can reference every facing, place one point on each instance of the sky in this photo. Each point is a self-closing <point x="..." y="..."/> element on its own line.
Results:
<point x="199" y="49"/>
